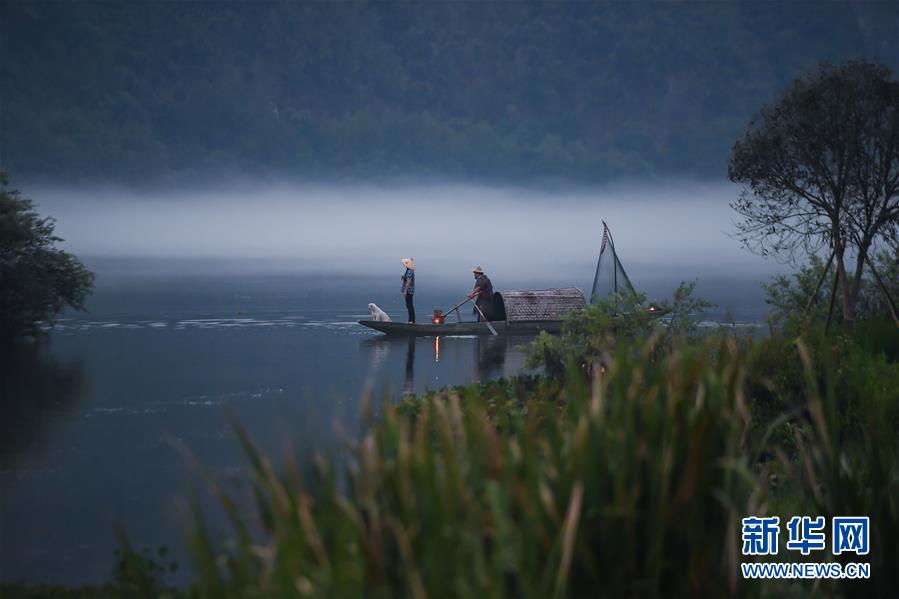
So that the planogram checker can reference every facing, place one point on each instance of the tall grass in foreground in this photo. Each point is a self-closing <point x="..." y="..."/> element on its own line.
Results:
<point x="635" y="485"/>
<point x="849" y="458"/>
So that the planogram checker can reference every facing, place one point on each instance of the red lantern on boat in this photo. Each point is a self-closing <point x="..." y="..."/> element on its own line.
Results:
<point x="437" y="318"/>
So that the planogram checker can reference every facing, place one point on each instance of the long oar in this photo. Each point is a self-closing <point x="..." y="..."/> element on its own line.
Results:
<point x="487" y="322"/>
<point x="456" y="308"/>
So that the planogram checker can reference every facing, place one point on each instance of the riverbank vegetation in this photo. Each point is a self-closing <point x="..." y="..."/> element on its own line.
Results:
<point x="37" y="279"/>
<point x="625" y="469"/>
<point x="627" y="474"/>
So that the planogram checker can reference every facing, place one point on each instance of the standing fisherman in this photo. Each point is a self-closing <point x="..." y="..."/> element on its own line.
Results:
<point x="409" y="286"/>
<point x="483" y="289"/>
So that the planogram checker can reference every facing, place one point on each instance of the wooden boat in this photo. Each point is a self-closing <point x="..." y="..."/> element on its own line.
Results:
<point x="457" y="329"/>
<point x="531" y="311"/>
<point x="524" y="312"/>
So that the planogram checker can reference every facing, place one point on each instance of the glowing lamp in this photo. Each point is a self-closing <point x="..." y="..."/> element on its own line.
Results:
<point x="437" y="318"/>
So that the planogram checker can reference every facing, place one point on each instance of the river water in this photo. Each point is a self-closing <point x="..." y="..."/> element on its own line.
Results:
<point x="91" y="420"/>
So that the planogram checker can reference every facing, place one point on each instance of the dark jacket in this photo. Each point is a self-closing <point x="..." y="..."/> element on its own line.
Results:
<point x="484" y="288"/>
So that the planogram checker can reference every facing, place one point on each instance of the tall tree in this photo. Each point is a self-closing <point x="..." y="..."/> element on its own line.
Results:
<point x="37" y="279"/>
<point x="820" y="168"/>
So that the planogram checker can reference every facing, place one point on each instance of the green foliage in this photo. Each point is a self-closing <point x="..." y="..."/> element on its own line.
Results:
<point x="634" y="486"/>
<point x="135" y="575"/>
<point x="790" y="295"/>
<point x="855" y="364"/>
<point x="37" y="280"/>
<point x="142" y="574"/>
<point x="849" y="455"/>
<point x="872" y="303"/>
<point x="878" y="337"/>
<point x="589" y="334"/>
<point x="591" y="90"/>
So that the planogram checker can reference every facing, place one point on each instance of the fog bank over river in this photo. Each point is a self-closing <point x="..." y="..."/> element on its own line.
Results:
<point x="674" y="229"/>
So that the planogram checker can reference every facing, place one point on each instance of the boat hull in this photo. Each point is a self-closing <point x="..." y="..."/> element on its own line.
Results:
<point x="456" y="329"/>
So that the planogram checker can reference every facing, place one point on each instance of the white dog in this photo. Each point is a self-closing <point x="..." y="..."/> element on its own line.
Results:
<point x="377" y="314"/>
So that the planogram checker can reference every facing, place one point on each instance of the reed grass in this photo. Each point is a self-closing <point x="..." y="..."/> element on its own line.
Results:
<point x="628" y="482"/>
<point x="635" y="484"/>
<point x="624" y="470"/>
<point x="848" y="457"/>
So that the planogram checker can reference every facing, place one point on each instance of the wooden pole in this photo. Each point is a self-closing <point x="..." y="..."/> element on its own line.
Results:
<point x="596" y="276"/>
<point x="890" y="304"/>
<point x="456" y="309"/>
<point x="833" y="296"/>
<point x="487" y="322"/>
<point x="814" y="297"/>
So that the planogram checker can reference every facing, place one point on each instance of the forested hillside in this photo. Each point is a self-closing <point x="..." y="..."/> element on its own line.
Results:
<point x="145" y="91"/>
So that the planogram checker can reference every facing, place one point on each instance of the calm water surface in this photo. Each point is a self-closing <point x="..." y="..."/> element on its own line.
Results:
<point x="88" y="421"/>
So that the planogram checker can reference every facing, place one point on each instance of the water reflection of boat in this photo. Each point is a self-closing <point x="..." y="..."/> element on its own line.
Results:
<point x="409" y="379"/>
<point x="483" y="357"/>
<point x="490" y="356"/>
<point x="524" y="313"/>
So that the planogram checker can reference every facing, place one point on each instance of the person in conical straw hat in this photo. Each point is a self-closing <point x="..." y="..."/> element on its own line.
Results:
<point x="483" y="289"/>
<point x="409" y="286"/>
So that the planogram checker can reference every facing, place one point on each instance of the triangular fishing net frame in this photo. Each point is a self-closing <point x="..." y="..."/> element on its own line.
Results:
<point x="610" y="278"/>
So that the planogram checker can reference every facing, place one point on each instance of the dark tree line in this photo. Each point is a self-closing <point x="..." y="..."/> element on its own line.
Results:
<point x="140" y="90"/>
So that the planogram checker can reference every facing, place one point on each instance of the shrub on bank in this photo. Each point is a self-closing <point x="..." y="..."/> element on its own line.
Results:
<point x="588" y="335"/>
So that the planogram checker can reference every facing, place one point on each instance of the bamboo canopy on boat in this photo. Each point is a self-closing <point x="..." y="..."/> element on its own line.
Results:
<point x="542" y="304"/>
